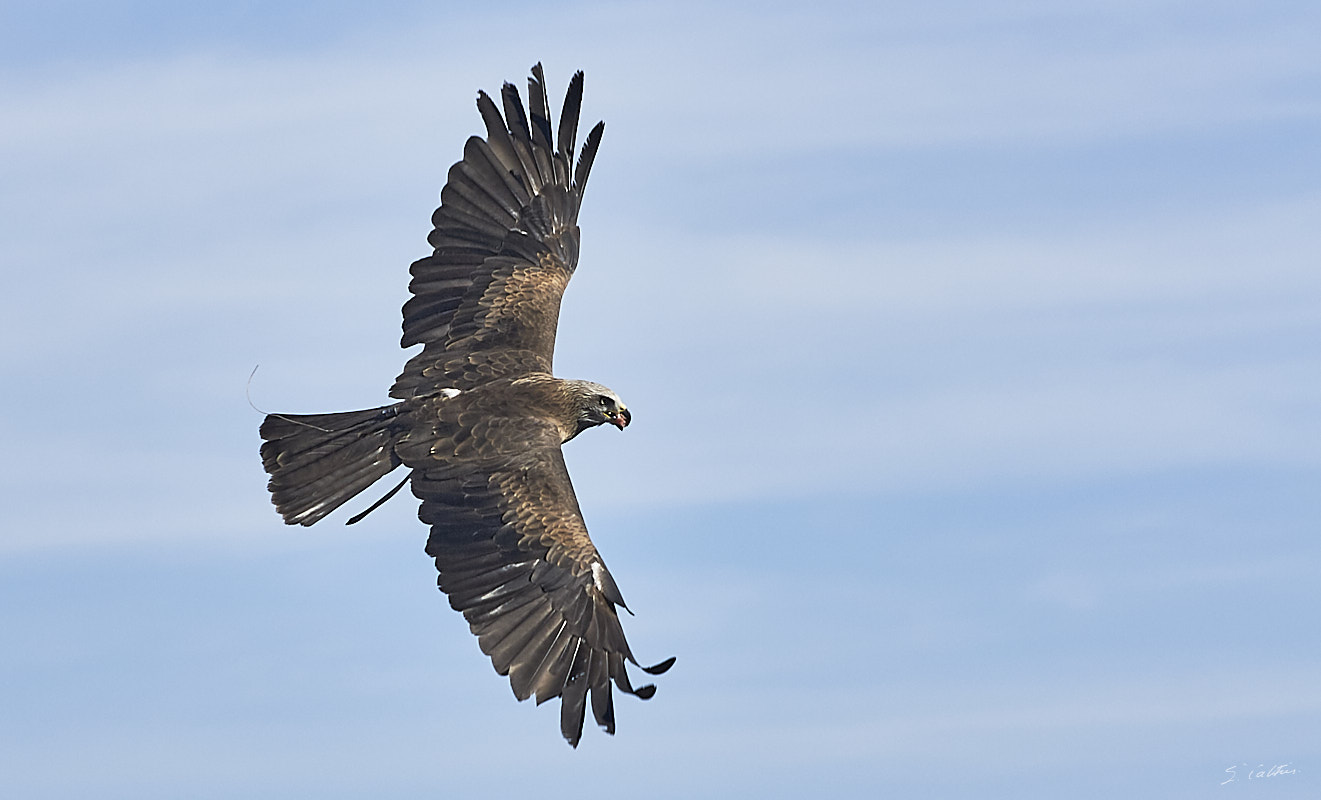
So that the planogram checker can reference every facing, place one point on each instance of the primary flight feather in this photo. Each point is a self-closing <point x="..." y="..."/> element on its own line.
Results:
<point x="480" y="418"/>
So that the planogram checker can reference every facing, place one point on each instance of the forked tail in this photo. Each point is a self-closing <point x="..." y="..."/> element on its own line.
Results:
<point x="319" y="461"/>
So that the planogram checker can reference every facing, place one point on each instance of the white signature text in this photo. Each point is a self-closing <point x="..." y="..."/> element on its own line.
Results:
<point x="1259" y="772"/>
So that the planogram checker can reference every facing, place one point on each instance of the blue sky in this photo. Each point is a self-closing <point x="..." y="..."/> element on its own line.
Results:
<point x="974" y="352"/>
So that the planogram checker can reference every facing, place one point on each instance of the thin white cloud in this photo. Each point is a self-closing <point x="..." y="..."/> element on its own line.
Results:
<point x="884" y="366"/>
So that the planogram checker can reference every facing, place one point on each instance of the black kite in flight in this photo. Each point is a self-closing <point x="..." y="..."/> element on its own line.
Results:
<point x="480" y="418"/>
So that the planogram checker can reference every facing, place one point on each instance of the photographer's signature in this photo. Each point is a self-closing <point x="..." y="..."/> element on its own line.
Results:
<point x="1241" y="772"/>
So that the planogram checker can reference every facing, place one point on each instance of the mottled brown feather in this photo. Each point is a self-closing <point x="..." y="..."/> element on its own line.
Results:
<point x="509" y="216"/>
<point x="510" y="543"/>
<point x="481" y="418"/>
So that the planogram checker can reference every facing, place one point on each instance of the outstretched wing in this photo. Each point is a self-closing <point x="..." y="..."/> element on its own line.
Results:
<point x="486" y="303"/>
<point x="514" y="557"/>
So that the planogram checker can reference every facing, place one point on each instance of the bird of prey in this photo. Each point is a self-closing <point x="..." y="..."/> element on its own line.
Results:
<point x="480" y="418"/>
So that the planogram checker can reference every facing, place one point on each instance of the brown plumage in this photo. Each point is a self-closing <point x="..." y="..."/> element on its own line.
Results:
<point x="480" y="418"/>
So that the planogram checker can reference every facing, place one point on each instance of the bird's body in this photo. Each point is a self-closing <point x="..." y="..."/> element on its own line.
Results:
<point x="480" y="419"/>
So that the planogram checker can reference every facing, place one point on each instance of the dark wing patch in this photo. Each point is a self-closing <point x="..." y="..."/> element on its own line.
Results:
<point x="514" y="557"/>
<point x="486" y="302"/>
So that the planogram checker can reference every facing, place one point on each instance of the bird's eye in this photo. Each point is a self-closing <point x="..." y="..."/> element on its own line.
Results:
<point x="604" y="401"/>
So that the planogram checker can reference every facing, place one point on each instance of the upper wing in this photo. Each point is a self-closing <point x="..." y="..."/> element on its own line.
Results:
<point x="514" y="556"/>
<point x="486" y="303"/>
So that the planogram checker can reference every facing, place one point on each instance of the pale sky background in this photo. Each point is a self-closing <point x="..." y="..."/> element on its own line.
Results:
<point x="974" y="351"/>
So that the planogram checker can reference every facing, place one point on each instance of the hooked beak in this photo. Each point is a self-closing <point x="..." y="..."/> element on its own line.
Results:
<point x="622" y="419"/>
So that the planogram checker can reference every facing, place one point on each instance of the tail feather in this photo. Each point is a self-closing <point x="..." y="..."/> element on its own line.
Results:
<point x="317" y="462"/>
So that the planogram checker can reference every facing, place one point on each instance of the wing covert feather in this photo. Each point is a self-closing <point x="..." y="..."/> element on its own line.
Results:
<point x="506" y="231"/>
<point x="514" y="557"/>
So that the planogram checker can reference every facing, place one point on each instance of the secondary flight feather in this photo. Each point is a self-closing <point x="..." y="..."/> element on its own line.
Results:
<point x="480" y="418"/>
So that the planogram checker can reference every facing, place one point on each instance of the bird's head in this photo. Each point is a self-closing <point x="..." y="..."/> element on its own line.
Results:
<point x="598" y="405"/>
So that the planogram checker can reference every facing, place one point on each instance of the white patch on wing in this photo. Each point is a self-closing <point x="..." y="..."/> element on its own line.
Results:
<point x="450" y="393"/>
<point x="605" y="584"/>
<point x="304" y="514"/>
